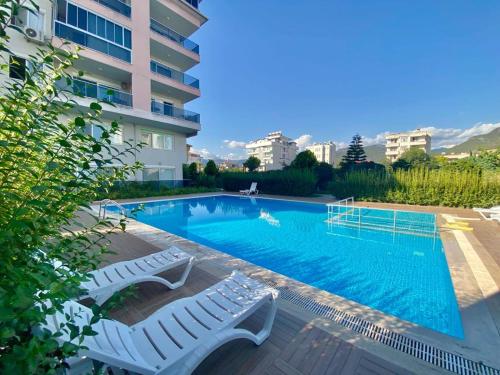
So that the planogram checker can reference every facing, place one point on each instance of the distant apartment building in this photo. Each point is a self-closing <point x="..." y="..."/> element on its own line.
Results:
<point x="398" y="143"/>
<point x="135" y="55"/>
<point x="274" y="151"/>
<point x="229" y="165"/>
<point x="192" y="156"/>
<point x="324" y="152"/>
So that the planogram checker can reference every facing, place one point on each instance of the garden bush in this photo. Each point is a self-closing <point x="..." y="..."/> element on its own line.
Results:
<point x="300" y="182"/>
<point x="50" y="169"/>
<point x="134" y="189"/>
<point x="423" y="186"/>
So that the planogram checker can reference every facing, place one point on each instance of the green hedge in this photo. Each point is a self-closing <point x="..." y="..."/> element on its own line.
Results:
<point x="421" y="186"/>
<point x="286" y="182"/>
<point x="141" y="190"/>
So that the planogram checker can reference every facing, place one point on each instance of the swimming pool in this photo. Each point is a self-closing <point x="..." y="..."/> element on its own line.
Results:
<point x="405" y="275"/>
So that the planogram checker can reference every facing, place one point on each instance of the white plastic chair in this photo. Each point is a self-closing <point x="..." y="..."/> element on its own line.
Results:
<point x="492" y="213"/>
<point x="106" y="281"/>
<point x="176" y="338"/>
<point x="252" y="190"/>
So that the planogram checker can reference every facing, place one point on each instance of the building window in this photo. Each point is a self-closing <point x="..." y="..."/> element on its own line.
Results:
<point x="157" y="140"/>
<point x="17" y="67"/>
<point x="97" y="130"/>
<point x="158" y="174"/>
<point x="100" y="34"/>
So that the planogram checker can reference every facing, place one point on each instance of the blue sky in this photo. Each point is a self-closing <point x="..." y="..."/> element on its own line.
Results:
<point x="323" y="70"/>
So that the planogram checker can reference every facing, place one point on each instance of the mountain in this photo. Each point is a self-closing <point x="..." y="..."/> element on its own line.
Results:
<point x="478" y="142"/>
<point x="374" y="153"/>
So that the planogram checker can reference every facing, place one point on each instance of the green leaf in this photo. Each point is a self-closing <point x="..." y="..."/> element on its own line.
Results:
<point x="80" y="122"/>
<point x="95" y="106"/>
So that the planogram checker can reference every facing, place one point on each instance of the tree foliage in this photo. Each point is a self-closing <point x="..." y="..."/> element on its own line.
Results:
<point x="211" y="169"/>
<point x="355" y="153"/>
<point x="252" y="163"/>
<point x="304" y="160"/>
<point x="49" y="170"/>
<point x="414" y="157"/>
<point x="324" y="173"/>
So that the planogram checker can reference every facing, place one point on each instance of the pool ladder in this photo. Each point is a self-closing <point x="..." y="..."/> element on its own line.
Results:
<point x="104" y="204"/>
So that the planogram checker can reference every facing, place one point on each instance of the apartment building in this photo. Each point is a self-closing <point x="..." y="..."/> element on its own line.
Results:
<point x="398" y="143"/>
<point x="274" y="151"/>
<point x="324" y="152"/>
<point x="138" y="49"/>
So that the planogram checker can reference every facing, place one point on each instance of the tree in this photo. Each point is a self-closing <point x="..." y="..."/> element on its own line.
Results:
<point x="304" y="160"/>
<point x="49" y="170"/>
<point x="324" y="173"/>
<point x="252" y="163"/>
<point x="355" y="153"/>
<point x="211" y="168"/>
<point x="413" y="157"/>
<point x="193" y="171"/>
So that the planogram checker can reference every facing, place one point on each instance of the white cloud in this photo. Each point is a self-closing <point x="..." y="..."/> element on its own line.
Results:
<point x="204" y="153"/>
<point x="377" y="140"/>
<point x="303" y="141"/>
<point x="448" y="137"/>
<point x="234" y="144"/>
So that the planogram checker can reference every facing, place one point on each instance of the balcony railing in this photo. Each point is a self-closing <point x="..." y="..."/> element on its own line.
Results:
<point x="94" y="90"/>
<point x="174" y="36"/>
<point x="193" y="3"/>
<point x="165" y="71"/>
<point x="169" y="110"/>
<point x="88" y="40"/>
<point x="117" y="6"/>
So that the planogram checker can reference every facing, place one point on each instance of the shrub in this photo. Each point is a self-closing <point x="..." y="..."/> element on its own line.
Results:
<point x="304" y="160"/>
<point x="133" y="189"/>
<point x="49" y="169"/>
<point x="211" y="168"/>
<point x="286" y="182"/>
<point x="324" y="173"/>
<point x="252" y="163"/>
<point x="423" y="186"/>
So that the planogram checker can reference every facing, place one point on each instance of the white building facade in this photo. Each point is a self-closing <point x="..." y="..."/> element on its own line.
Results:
<point x="324" y="152"/>
<point x="274" y="151"/>
<point x="138" y="50"/>
<point x="398" y="143"/>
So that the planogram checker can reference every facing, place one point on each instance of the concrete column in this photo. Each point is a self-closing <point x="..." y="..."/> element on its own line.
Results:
<point x="141" y="83"/>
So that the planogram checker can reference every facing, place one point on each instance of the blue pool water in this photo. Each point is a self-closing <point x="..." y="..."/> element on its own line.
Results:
<point x="405" y="275"/>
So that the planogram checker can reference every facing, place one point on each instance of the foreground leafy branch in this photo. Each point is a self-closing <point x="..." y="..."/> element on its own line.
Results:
<point x="50" y="172"/>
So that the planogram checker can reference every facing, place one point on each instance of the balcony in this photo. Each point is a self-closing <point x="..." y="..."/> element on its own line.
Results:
<point x="94" y="90"/>
<point x="193" y="3"/>
<point x="183" y="78"/>
<point x="117" y="5"/>
<point x="166" y="32"/>
<point x="171" y="111"/>
<point x="90" y="41"/>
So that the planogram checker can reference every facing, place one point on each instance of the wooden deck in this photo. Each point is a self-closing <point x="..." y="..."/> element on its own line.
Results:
<point x="294" y="347"/>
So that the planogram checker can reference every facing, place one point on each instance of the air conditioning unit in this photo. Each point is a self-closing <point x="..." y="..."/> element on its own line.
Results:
<point x="33" y="35"/>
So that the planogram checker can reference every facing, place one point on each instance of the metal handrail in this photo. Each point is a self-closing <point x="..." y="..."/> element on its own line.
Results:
<point x="353" y="215"/>
<point x="104" y="204"/>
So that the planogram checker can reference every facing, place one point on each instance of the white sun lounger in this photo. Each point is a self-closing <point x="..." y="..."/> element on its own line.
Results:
<point x="106" y="281"/>
<point x="178" y="337"/>
<point x="492" y="213"/>
<point x="252" y="190"/>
